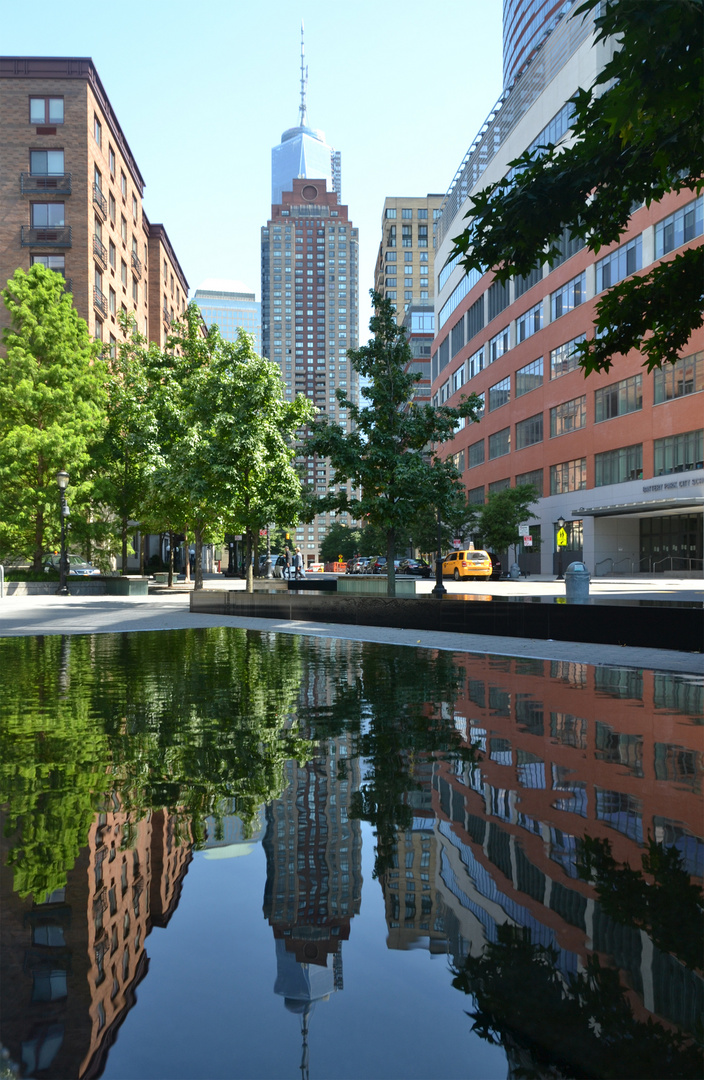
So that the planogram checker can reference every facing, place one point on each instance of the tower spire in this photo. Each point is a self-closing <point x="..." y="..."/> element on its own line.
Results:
<point x="304" y="82"/>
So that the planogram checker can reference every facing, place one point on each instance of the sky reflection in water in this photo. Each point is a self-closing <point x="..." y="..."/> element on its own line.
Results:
<point x="229" y="854"/>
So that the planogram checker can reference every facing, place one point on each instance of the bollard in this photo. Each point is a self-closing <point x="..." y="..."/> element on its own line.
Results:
<point x="515" y="572"/>
<point x="577" y="579"/>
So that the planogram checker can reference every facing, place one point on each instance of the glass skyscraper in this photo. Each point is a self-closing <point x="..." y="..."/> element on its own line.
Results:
<point x="230" y="306"/>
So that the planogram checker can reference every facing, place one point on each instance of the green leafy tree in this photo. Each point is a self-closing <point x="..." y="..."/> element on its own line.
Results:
<point x="245" y="434"/>
<point x="388" y="455"/>
<point x="496" y="523"/>
<point x="340" y="540"/>
<point x="637" y="136"/>
<point x="128" y="453"/>
<point x="52" y="411"/>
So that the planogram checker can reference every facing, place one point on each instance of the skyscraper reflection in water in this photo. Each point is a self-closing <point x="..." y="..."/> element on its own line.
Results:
<point x="314" y="878"/>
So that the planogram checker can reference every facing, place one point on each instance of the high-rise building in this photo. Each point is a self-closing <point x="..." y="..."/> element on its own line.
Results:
<point x="71" y="199"/>
<point x="230" y="306"/>
<point x="419" y="323"/>
<point x="404" y="271"/>
<point x="526" y="24"/>
<point x="619" y="456"/>
<point x="310" y="310"/>
<point x="303" y="151"/>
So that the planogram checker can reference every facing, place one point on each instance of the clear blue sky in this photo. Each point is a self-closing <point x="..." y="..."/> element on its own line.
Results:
<point x="204" y="91"/>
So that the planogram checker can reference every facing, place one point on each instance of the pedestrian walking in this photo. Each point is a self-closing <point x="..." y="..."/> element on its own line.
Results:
<point x="298" y="564"/>
<point x="286" y="570"/>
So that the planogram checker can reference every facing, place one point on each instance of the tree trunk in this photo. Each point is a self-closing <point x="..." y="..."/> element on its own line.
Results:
<point x="141" y="553"/>
<point x="199" y="559"/>
<point x="249" y="569"/>
<point x="171" y="559"/>
<point x="187" y="566"/>
<point x="38" y="540"/>
<point x="390" y="564"/>
<point x="123" y="535"/>
<point x="255" y="554"/>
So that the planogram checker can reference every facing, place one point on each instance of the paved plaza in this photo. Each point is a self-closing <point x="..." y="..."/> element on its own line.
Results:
<point x="169" y="610"/>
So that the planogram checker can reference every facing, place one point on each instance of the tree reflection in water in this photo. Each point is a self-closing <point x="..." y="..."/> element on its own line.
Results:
<point x="87" y="717"/>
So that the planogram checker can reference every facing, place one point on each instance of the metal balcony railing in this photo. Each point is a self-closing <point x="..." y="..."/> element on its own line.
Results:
<point x="100" y="251"/>
<point x="45" y="184"/>
<point x="46" y="235"/>
<point x="136" y="264"/>
<point x="100" y="301"/>
<point x="166" y="316"/>
<point x="100" y="201"/>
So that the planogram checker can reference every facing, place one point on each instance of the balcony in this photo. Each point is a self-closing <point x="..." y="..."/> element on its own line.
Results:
<point x="46" y="184"/>
<point x="100" y="202"/>
<point x="166" y="316"/>
<point x="100" y="252"/>
<point x="46" y="236"/>
<point x="100" y="302"/>
<point x="136" y="265"/>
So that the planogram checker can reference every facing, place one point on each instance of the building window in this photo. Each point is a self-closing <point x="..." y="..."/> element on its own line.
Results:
<point x="500" y="443"/>
<point x="568" y="476"/>
<point x="568" y="246"/>
<point x="98" y="131"/>
<point x="111" y="160"/>
<point x="498" y="297"/>
<point x="422" y="236"/>
<point x="391" y="295"/>
<point x="569" y="296"/>
<point x="678" y="228"/>
<point x="458" y="379"/>
<point x="564" y="359"/>
<point x="422" y="215"/>
<point x="391" y="213"/>
<point x="47" y="215"/>
<point x="618" y="399"/>
<point x="475" y="318"/>
<point x="123" y="228"/>
<point x="123" y="185"/>
<point x="500" y="394"/>
<point x="619" y="264"/>
<point x="112" y="207"/>
<point x="523" y="283"/>
<point x="530" y="322"/>
<point x="535" y="478"/>
<point x="390" y="256"/>
<point x="529" y="432"/>
<point x="617" y="466"/>
<point x="407" y="236"/>
<point x="406" y="213"/>
<point x="123" y="273"/>
<point x="391" y="282"/>
<point x="46" y="110"/>
<point x="529" y="377"/>
<point x="499" y="485"/>
<point x="475" y="454"/>
<point x="569" y="416"/>
<point x="112" y="254"/>
<point x="112" y="301"/>
<point x="457" y="337"/>
<point x="498" y="345"/>
<point x="391" y="238"/>
<point x="52" y="262"/>
<point x="408" y="294"/>
<point x="684" y="377"/>
<point x="475" y="495"/>
<point x="679" y="453"/>
<point x="46" y="162"/>
<point x="135" y="208"/>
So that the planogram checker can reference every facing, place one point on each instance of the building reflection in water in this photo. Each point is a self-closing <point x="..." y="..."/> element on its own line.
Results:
<point x="72" y="963"/>
<point x="567" y="750"/>
<point x="314" y="878"/>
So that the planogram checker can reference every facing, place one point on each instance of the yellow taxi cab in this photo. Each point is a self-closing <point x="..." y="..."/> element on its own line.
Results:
<point x="467" y="564"/>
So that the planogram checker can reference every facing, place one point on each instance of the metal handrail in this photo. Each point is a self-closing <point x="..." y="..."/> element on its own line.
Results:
<point x="601" y="563"/>
<point x="653" y="564"/>
<point x="136" y="264"/>
<point x="100" y="301"/>
<point x="46" y="183"/>
<point x="100" y="201"/>
<point x="100" y="251"/>
<point x="46" y="235"/>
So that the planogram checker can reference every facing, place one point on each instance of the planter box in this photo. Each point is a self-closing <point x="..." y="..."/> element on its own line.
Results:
<point x="127" y="586"/>
<point x="373" y="585"/>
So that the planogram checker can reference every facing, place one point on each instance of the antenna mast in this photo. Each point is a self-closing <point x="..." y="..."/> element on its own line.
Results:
<point x="304" y="82"/>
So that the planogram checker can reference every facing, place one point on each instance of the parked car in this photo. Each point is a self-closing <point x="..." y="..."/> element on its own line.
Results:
<point x="316" y="567"/>
<point x="358" y="565"/>
<point x="496" y="567"/>
<point x="377" y="564"/>
<point x="279" y="566"/>
<point x="415" y="567"/>
<point x="467" y="564"/>
<point x="76" y="565"/>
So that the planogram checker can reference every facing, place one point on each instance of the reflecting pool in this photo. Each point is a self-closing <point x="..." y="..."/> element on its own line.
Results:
<point x="228" y="853"/>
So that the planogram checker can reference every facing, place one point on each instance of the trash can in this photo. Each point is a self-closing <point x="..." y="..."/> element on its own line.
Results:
<point x="577" y="579"/>
<point x="515" y="572"/>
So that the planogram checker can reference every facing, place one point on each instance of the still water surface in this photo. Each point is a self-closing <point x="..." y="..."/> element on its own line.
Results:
<point x="237" y="854"/>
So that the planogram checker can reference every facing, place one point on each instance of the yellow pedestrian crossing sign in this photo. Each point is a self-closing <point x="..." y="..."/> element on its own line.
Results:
<point x="561" y="538"/>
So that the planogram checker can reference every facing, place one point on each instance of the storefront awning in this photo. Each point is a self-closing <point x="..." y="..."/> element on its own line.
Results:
<point x="644" y="507"/>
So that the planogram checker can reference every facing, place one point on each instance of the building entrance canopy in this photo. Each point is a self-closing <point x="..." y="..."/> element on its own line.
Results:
<point x="650" y="507"/>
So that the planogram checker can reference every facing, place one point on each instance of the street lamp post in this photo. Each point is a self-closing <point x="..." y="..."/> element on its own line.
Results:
<point x="560" y="527"/>
<point x="439" y="589"/>
<point x="62" y="482"/>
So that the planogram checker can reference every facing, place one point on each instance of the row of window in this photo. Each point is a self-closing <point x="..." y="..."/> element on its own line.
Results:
<point x="673" y="231"/>
<point x="407" y="214"/>
<point x="672" y="454"/>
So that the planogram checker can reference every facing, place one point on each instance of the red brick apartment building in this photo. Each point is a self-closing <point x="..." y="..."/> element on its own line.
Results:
<point x="71" y="198"/>
<point x="620" y="456"/>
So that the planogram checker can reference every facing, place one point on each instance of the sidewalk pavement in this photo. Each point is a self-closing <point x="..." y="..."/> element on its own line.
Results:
<point x="38" y="615"/>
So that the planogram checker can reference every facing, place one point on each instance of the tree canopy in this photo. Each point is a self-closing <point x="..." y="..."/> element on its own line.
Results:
<point x="636" y="137"/>
<point x="388" y="456"/>
<point x="497" y="521"/>
<point x="52" y="410"/>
